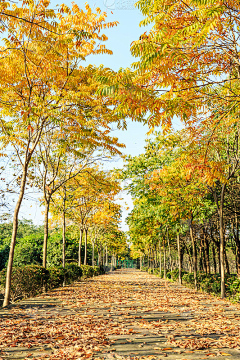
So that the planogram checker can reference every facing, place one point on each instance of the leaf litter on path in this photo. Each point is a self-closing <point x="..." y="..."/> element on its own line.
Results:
<point x="87" y="320"/>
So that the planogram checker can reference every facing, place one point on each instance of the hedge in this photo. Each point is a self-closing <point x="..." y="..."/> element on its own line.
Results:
<point x="30" y="280"/>
<point x="210" y="283"/>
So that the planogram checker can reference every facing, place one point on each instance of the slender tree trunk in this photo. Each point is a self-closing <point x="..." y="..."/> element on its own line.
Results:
<point x="64" y="245"/>
<point x="85" y="248"/>
<point x="106" y="256"/>
<point x="93" y="243"/>
<point x="169" y="252"/>
<point x="200" y="259"/>
<point x="80" y="247"/>
<point x="179" y="260"/>
<point x="194" y="256"/>
<point x="206" y="251"/>
<point x="164" y="259"/>
<point x="155" y="257"/>
<point x="226" y="261"/>
<point x="100" y="258"/>
<point x="45" y="240"/>
<point x="214" y="258"/>
<point x="160" y="258"/>
<point x="152" y="258"/>
<point x="222" y="243"/>
<point x="220" y="205"/>
<point x="64" y="241"/>
<point x="203" y="256"/>
<point x="13" y="241"/>
<point x="237" y="241"/>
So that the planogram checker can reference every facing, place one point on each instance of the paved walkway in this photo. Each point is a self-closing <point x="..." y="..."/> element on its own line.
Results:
<point x="123" y="315"/>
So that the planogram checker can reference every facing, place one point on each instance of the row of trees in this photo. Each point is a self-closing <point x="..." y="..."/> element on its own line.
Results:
<point x="30" y="238"/>
<point x="54" y="124"/>
<point x="188" y="67"/>
<point x="186" y="200"/>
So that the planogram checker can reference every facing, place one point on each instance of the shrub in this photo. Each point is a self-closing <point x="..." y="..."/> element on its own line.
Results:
<point x="98" y="270"/>
<point x="144" y="268"/>
<point x="26" y="281"/>
<point x="30" y="280"/>
<point x="72" y="272"/>
<point x="55" y="277"/>
<point x="188" y="278"/>
<point x="87" y="271"/>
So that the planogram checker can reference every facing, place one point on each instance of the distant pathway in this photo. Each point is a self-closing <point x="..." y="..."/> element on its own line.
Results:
<point x="126" y="314"/>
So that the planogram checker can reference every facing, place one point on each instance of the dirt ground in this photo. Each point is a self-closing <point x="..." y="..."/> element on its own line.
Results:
<point x="125" y="314"/>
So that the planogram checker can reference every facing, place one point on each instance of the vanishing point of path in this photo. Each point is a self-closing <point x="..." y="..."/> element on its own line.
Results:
<point x="126" y="314"/>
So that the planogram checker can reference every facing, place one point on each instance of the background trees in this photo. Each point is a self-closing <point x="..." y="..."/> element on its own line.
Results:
<point x="176" y="202"/>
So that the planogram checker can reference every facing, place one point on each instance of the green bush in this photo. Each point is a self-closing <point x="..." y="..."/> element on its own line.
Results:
<point x="30" y="280"/>
<point x="188" y="278"/>
<point x="87" y="271"/>
<point x="27" y="281"/>
<point x="98" y="270"/>
<point x="210" y="283"/>
<point x="72" y="272"/>
<point x="55" y="277"/>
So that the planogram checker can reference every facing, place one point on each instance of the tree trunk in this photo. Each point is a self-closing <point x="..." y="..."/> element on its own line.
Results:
<point x="222" y="243"/>
<point x="164" y="260"/>
<point x="194" y="256"/>
<point x="179" y="260"/>
<point x="64" y="239"/>
<point x="13" y="241"/>
<point x="214" y="258"/>
<point x="100" y="258"/>
<point x="93" y="243"/>
<point x="106" y="256"/>
<point x="45" y="240"/>
<point x="160" y="259"/>
<point x="155" y="257"/>
<point x="169" y="251"/>
<point x="237" y="241"/>
<point x="203" y="256"/>
<point x="64" y="245"/>
<point x="206" y="251"/>
<point x="219" y="259"/>
<point x="226" y="262"/>
<point x="220" y="205"/>
<point x="85" y="248"/>
<point x="80" y="247"/>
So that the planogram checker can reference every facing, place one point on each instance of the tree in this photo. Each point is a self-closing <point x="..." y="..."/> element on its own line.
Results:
<point x="85" y="196"/>
<point x="41" y="85"/>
